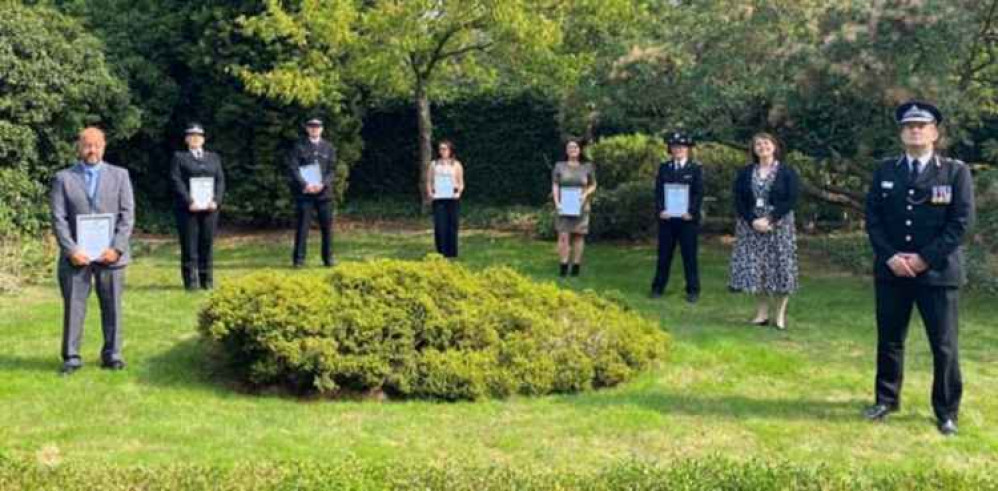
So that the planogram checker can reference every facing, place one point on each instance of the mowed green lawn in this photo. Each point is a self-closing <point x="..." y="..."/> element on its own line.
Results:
<point x="729" y="389"/>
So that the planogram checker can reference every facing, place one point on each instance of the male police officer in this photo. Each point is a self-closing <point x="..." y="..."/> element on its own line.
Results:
<point x="309" y="151"/>
<point x="196" y="222"/>
<point x="918" y="209"/>
<point x="684" y="228"/>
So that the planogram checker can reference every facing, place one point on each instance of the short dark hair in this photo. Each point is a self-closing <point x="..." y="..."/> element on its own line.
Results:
<point x="762" y="135"/>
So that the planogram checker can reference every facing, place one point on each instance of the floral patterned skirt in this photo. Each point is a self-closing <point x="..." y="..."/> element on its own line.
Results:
<point x="765" y="263"/>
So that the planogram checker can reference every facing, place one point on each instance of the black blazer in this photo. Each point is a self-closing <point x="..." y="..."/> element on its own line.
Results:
<point x="184" y="166"/>
<point x="305" y="153"/>
<point x="929" y="217"/>
<point x="691" y="174"/>
<point x="782" y="197"/>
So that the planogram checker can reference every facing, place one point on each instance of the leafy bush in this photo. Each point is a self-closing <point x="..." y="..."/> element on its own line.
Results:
<point x="621" y="159"/>
<point x="627" y="212"/>
<point x="692" y="475"/>
<point x="429" y="329"/>
<point x="24" y="251"/>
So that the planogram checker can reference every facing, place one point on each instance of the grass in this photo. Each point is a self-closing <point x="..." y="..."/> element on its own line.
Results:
<point x="729" y="390"/>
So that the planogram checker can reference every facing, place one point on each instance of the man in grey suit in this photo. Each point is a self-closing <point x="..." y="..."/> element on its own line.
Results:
<point x="92" y="186"/>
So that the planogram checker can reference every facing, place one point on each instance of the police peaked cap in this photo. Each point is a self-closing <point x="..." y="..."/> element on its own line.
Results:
<point x="680" y="138"/>
<point x="917" y="112"/>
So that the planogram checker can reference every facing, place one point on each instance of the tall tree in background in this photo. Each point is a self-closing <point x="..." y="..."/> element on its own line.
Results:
<point x="424" y="50"/>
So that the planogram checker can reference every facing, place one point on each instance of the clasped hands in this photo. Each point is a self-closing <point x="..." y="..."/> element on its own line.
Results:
<point x="685" y="216"/>
<point x="907" y="264"/>
<point x="195" y="208"/>
<point x="313" y="188"/>
<point x="109" y="256"/>
<point x="762" y="225"/>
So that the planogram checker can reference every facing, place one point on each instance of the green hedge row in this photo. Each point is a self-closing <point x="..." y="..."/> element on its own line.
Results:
<point x="692" y="475"/>
<point x="429" y="329"/>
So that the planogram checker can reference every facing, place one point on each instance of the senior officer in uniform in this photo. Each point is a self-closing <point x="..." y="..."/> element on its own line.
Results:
<point x="92" y="186"/>
<point x="196" y="223"/>
<point x="312" y="149"/>
<point x="918" y="210"/>
<point x="680" y="169"/>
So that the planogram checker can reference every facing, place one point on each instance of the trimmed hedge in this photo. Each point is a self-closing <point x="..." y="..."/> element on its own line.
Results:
<point x="427" y="329"/>
<point x="704" y="474"/>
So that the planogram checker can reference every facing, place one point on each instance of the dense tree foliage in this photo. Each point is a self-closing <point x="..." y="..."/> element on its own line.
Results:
<point x="54" y="78"/>
<point x="824" y="75"/>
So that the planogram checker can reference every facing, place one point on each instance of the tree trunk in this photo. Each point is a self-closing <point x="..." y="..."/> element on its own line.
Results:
<point x="425" y="126"/>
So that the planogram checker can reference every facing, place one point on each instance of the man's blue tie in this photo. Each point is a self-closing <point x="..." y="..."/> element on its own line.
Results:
<point x="91" y="179"/>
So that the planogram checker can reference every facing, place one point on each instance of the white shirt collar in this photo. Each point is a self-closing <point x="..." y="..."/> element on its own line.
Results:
<point x="923" y="159"/>
<point x="315" y="141"/>
<point x="680" y="163"/>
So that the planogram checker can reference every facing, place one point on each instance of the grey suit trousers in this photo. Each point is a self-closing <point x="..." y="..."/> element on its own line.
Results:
<point x="75" y="284"/>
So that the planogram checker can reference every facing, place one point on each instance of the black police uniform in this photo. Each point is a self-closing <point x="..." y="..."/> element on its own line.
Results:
<point x="302" y="154"/>
<point x="677" y="230"/>
<point x="196" y="228"/>
<point x="927" y="214"/>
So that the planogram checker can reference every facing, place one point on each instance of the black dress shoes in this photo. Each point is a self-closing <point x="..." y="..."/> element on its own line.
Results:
<point x="68" y="369"/>
<point x="113" y="365"/>
<point x="692" y="297"/>
<point x="878" y="412"/>
<point x="947" y="426"/>
<point x="655" y="294"/>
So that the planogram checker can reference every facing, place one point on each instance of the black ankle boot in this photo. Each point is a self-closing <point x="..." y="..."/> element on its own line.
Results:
<point x="563" y="270"/>
<point x="575" y="269"/>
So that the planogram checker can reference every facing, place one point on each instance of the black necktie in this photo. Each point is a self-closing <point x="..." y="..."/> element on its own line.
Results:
<point x="913" y="172"/>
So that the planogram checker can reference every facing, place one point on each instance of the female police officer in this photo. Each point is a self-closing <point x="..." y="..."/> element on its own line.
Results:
<point x="196" y="220"/>
<point x="687" y="176"/>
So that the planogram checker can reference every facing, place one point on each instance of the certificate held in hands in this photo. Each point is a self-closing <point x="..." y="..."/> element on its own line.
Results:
<point x="570" y="201"/>
<point x="443" y="186"/>
<point x="311" y="174"/>
<point x="677" y="200"/>
<point x="94" y="233"/>
<point x="202" y="191"/>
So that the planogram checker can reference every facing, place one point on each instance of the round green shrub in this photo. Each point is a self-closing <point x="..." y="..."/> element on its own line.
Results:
<point x="625" y="158"/>
<point x="427" y="329"/>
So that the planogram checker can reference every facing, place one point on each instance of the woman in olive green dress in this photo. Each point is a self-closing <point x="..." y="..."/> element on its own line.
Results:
<point x="572" y="177"/>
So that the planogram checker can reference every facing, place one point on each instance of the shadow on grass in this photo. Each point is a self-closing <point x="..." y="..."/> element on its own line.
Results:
<point x="48" y="364"/>
<point x="187" y="364"/>
<point x="729" y="406"/>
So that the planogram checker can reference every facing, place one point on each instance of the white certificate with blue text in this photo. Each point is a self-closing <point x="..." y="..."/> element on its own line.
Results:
<point x="311" y="174"/>
<point x="202" y="191"/>
<point x="677" y="200"/>
<point x="571" y="201"/>
<point x="443" y="186"/>
<point x="94" y="233"/>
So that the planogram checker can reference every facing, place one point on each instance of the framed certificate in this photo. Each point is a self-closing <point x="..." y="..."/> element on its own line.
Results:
<point x="677" y="200"/>
<point x="571" y="201"/>
<point x="94" y="233"/>
<point x="443" y="186"/>
<point x="311" y="174"/>
<point x="202" y="191"/>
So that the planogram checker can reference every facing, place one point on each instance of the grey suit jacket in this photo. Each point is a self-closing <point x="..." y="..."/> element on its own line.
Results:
<point x="114" y="195"/>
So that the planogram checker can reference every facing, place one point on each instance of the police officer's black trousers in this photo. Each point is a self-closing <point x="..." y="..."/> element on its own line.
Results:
<point x="303" y="217"/>
<point x="197" y="234"/>
<point x="684" y="233"/>
<point x="938" y="307"/>
<point x="446" y="213"/>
